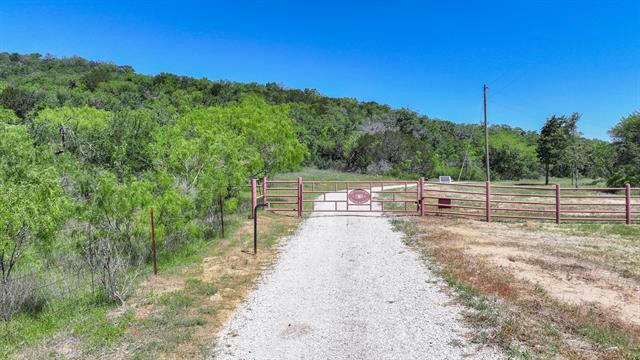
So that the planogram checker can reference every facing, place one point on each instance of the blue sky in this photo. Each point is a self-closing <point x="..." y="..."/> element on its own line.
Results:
<point x="538" y="57"/>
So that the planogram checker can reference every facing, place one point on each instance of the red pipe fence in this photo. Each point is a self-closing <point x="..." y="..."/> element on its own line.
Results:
<point x="474" y="200"/>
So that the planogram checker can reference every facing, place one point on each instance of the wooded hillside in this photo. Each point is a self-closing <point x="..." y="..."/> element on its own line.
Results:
<point x="339" y="133"/>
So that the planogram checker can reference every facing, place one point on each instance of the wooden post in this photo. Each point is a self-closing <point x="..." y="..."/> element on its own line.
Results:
<point x="264" y="190"/>
<point x="487" y="193"/>
<point x="153" y="245"/>
<point x="254" y="197"/>
<point x="421" y="196"/>
<point x="222" y="214"/>
<point x="557" y="203"/>
<point x="300" y="202"/>
<point x="627" y="197"/>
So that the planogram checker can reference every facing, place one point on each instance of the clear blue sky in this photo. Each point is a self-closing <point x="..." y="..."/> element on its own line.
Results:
<point x="537" y="57"/>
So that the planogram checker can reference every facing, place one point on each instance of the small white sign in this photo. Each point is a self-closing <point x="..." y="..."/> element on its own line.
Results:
<point x="446" y="179"/>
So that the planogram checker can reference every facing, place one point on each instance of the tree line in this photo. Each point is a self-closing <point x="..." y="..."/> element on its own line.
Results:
<point x="87" y="147"/>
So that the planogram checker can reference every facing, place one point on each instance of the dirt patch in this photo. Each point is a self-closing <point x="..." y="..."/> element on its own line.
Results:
<point x="583" y="286"/>
<point x="162" y="284"/>
<point x="574" y="280"/>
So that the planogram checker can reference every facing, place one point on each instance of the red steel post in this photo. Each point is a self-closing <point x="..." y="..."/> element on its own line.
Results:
<point x="627" y="193"/>
<point x="421" y="195"/>
<point x="487" y="204"/>
<point x="254" y="196"/>
<point x="557" y="203"/>
<point x="264" y="190"/>
<point x="300" y="202"/>
<point x="153" y="244"/>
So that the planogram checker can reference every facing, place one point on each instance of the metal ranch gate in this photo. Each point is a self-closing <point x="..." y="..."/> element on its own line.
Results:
<point x="300" y="196"/>
<point x="475" y="200"/>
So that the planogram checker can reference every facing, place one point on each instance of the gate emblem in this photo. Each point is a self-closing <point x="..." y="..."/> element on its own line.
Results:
<point x="359" y="196"/>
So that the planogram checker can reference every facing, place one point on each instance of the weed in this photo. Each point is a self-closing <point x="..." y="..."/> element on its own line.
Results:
<point x="199" y="287"/>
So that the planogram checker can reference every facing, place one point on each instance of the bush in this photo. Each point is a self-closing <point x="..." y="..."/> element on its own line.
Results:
<point x="21" y="101"/>
<point x="113" y="270"/>
<point x="20" y="295"/>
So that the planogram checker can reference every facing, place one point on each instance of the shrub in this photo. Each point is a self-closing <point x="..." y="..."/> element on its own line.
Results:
<point x="20" y="295"/>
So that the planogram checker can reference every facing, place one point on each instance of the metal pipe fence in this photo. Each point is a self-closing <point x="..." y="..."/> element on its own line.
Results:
<point x="475" y="200"/>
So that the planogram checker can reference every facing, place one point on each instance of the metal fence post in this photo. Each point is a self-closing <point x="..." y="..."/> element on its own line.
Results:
<point x="300" y="202"/>
<point x="627" y="197"/>
<point x="153" y="244"/>
<point x="421" y="196"/>
<point x="264" y="190"/>
<point x="254" y="196"/>
<point x="487" y="193"/>
<point x="557" y="203"/>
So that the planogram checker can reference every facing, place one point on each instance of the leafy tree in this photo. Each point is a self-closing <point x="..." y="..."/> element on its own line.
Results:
<point x="552" y="143"/>
<point x="8" y="116"/>
<point x="209" y="159"/>
<point x="512" y="158"/>
<point x="626" y="144"/>
<point x="80" y="131"/>
<point x="93" y="78"/>
<point x="601" y="159"/>
<point x="113" y="229"/>
<point x="574" y="153"/>
<point x="32" y="203"/>
<point x="19" y="100"/>
<point x="267" y="128"/>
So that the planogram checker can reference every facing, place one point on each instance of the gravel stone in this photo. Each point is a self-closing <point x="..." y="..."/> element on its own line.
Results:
<point x="346" y="287"/>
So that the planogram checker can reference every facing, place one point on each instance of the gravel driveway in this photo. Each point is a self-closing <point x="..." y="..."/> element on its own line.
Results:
<point x="346" y="287"/>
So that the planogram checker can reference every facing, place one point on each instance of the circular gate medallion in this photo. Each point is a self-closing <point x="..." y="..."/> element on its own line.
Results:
<point x="359" y="196"/>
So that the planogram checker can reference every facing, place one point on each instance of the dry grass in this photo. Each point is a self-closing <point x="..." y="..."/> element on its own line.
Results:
<point x="178" y="314"/>
<point x="540" y="291"/>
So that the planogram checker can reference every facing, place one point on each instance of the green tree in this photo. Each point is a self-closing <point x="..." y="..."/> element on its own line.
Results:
<point x="551" y="143"/>
<point x="8" y="116"/>
<point x="22" y="101"/>
<point x="209" y="159"/>
<point x="80" y="131"/>
<point x="625" y="136"/>
<point x="573" y="155"/>
<point x="511" y="157"/>
<point x="32" y="203"/>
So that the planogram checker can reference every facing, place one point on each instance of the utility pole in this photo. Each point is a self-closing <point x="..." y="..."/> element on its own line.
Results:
<point x="486" y="133"/>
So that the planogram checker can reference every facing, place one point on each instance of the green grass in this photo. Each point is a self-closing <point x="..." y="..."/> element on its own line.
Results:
<point x="199" y="287"/>
<point x="87" y="321"/>
<point x="631" y="232"/>
<point x="313" y="174"/>
<point x="563" y="182"/>
<point x="98" y="330"/>
<point x="605" y="336"/>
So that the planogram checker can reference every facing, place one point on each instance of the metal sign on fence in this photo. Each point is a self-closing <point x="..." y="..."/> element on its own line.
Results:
<point x="359" y="196"/>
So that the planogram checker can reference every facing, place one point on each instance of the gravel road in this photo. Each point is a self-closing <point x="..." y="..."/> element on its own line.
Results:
<point x="346" y="287"/>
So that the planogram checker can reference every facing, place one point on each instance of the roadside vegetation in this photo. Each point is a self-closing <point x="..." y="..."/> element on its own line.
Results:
<point x="88" y="148"/>
<point x="176" y="314"/>
<point x="540" y="290"/>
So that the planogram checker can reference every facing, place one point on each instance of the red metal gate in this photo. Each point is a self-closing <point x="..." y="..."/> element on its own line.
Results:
<point x="397" y="196"/>
<point x="460" y="199"/>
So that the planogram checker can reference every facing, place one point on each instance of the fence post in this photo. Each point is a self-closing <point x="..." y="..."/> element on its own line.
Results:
<point x="254" y="196"/>
<point x="487" y="204"/>
<point x="221" y="202"/>
<point x="557" y="203"/>
<point x="627" y="197"/>
<point x="421" y="196"/>
<point x="300" y="202"/>
<point x="153" y="244"/>
<point x="264" y="190"/>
